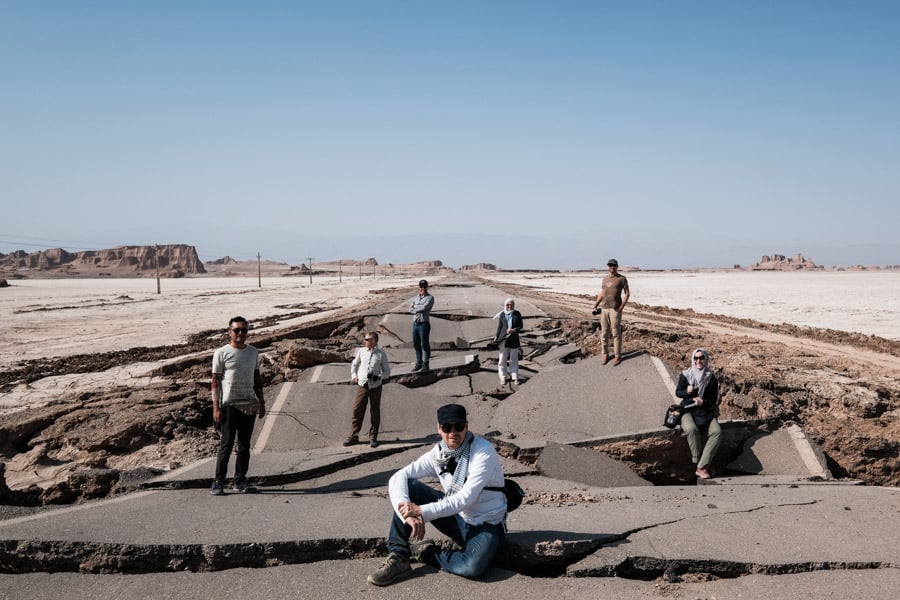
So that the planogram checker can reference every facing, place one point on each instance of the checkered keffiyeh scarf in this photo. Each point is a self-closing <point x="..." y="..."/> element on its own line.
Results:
<point x="461" y="457"/>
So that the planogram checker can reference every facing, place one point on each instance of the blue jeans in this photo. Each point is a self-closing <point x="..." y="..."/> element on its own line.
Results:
<point x="421" y="331"/>
<point x="480" y="542"/>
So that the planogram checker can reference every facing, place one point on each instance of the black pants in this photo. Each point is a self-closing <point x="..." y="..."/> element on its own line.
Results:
<point x="235" y="425"/>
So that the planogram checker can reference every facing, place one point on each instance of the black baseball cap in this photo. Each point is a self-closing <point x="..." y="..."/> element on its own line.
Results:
<point x="612" y="263"/>
<point x="452" y="413"/>
<point x="423" y="283"/>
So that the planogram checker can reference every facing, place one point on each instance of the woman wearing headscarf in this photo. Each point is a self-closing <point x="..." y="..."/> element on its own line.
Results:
<point x="507" y="340"/>
<point x="698" y="389"/>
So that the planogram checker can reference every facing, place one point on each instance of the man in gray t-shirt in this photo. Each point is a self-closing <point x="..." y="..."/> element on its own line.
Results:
<point x="237" y="399"/>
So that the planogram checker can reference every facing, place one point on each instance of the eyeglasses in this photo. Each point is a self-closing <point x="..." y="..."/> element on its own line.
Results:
<point x="239" y="330"/>
<point x="699" y="358"/>
<point x="457" y="427"/>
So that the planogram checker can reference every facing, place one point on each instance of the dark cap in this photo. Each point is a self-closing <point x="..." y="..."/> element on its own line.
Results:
<point x="452" y="413"/>
<point x="612" y="263"/>
<point x="423" y="283"/>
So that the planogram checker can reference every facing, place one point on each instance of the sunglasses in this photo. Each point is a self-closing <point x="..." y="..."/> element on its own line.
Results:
<point x="239" y="330"/>
<point x="699" y="358"/>
<point x="457" y="427"/>
<point x="370" y="339"/>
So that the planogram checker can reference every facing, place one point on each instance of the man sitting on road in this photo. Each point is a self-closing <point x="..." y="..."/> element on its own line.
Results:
<point x="466" y="512"/>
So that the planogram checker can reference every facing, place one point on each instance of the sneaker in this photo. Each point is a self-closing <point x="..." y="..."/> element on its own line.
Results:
<point x="604" y="358"/>
<point x="425" y="367"/>
<point x="373" y="443"/>
<point x="217" y="489"/>
<point x="394" y="569"/>
<point x="616" y="361"/>
<point x="418" y="367"/>
<point x="702" y="473"/>
<point x="351" y="441"/>
<point x="243" y="487"/>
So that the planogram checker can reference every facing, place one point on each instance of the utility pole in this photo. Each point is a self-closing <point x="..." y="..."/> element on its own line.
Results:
<point x="158" y="289"/>
<point x="340" y="263"/>
<point x="259" y="268"/>
<point x="309" y="258"/>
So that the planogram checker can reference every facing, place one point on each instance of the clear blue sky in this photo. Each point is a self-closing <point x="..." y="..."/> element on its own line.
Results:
<point x="529" y="134"/>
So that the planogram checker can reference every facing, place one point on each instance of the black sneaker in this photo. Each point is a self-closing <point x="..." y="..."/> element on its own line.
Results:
<point x="217" y="489"/>
<point x="418" y="367"/>
<point x="373" y="443"/>
<point x="351" y="441"/>
<point x="394" y="569"/>
<point x="243" y="487"/>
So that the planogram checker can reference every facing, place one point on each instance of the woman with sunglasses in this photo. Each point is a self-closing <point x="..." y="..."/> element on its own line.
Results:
<point x="698" y="389"/>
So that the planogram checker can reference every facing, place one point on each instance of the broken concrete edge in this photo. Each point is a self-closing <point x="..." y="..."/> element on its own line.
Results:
<point x="545" y="558"/>
<point x="649" y="568"/>
<point x="541" y="558"/>
<point x="810" y="453"/>
<point x="529" y="451"/>
<point x="166" y="482"/>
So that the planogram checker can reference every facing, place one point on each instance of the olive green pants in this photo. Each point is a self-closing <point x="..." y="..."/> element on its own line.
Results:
<point x="694" y="437"/>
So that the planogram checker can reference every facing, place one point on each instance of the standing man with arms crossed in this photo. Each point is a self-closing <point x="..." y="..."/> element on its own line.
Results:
<point x="237" y="399"/>
<point x="368" y="371"/>
<point x="420" y="307"/>
<point x="466" y="511"/>
<point x="612" y="301"/>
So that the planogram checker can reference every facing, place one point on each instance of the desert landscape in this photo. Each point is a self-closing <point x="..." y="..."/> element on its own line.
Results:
<point x="79" y="349"/>
<point x="104" y="390"/>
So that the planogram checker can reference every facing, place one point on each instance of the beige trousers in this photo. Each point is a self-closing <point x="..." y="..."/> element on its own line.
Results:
<point x="611" y="324"/>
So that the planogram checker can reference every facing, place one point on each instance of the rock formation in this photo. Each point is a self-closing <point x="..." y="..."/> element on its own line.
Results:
<point x="479" y="267"/>
<point x="173" y="260"/>
<point x="778" y="262"/>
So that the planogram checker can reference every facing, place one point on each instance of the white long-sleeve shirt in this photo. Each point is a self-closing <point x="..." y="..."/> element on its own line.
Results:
<point x="366" y="362"/>
<point x="473" y="503"/>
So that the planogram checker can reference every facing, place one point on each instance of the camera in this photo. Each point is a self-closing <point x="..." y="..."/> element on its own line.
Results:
<point x="374" y="378"/>
<point x="596" y="311"/>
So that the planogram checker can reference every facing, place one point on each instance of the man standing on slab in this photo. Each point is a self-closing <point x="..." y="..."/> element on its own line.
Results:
<point x="420" y="307"/>
<point x="368" y="372"/>
<point x="613" y="297"/>
<point x="237" y="399"/>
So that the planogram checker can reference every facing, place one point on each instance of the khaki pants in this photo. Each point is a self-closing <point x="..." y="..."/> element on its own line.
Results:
<point x="611" y="324"/>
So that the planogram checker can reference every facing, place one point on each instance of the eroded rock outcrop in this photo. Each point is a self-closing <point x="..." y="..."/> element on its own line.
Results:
<point x="778" y="262"/>
<point x="172" y="260"/>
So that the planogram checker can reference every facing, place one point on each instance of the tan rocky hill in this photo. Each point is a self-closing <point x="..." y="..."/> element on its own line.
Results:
<point x="778" y="262"/>
<point x="172" y="260"/>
